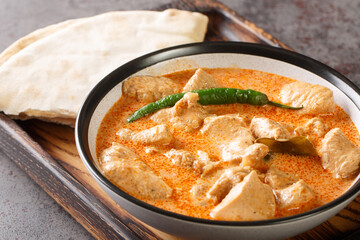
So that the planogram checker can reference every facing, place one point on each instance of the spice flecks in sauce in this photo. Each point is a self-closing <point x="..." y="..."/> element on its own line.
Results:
<point x="182" y="179"/>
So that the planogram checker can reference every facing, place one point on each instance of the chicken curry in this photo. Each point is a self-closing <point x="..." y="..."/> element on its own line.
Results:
<point x="233" y="161"/>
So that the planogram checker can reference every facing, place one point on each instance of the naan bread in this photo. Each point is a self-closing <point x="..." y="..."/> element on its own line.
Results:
<point x="48" y="73"/>
<point x="33" y="37"/>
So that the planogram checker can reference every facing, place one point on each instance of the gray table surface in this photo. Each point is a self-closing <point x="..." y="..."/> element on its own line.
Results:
<point x="328" y="31"/>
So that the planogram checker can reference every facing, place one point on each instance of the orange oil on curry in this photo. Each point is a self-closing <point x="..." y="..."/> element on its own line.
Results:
<point x="182" y="179"/>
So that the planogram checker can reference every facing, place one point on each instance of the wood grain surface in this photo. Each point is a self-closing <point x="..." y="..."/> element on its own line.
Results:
<point x="48" y="154"/>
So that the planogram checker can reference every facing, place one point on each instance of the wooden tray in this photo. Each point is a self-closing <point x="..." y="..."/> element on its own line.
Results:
<point x="47" y="153"/>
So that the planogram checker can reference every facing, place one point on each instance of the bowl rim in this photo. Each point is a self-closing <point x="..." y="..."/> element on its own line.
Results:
<point x="126" y="70"/>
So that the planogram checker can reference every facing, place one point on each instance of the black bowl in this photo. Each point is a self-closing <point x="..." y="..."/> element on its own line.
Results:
<point x="214" y="54"/>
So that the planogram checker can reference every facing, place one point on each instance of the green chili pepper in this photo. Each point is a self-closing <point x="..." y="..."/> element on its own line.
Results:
<point x="211" y="96"/>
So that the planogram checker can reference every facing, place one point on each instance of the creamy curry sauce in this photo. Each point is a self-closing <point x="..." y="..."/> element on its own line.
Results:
<point x="182" y="179"/>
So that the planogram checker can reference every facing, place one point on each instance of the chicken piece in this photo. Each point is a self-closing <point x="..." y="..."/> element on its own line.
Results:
<point x="339" y="155"/>
<point x="149" y="88"/>
<point x="117" y="152"/>
<point x="199" y="188"/>
<point x="180" y="157"/>
<point x="214" y="126"/>
<point x="204" y="165"/>
<point x="226" y="182"/>
<point x="151" y="150"/>
<point x="290" y="127"/>
<point x="159" y="134"/>
<point x="234" y="150"/>
<point x="278" y="179"/>
<point x="136" y="179"/>
<point x="253" y="158"/>
<point x="125" y="169"/>
<point x="210" y="168"/>
<point x="233" y="139"/>
<point x="202" y="158"/>
<point x="314" y="98"/>
<point x="198" y="191"/>
<point x="201" y="80"/>
<point x="314" y="128"/>
<point x="266" y="128"/>
<point x="187" y="113"/>
<point x="295" y="195"/>
<point x="248" y="200"/>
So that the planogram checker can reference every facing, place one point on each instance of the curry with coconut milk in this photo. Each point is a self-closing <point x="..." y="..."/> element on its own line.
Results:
<point x="208" y="162"/>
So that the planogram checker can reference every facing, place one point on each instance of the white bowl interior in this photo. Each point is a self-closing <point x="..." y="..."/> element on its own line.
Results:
<point x="222" y="60"/>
